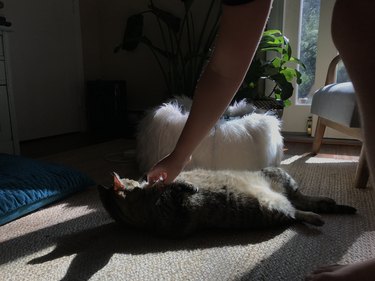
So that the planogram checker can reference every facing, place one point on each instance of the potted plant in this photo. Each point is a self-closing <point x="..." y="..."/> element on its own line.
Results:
<point x="185" y="46"/>
<point x="185" y="49"/>
<point x="273" y="62"/>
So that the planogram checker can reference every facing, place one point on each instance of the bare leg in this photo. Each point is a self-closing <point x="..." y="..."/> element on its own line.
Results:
<point x="364" y="271"/>
<point x="352" y="24"/>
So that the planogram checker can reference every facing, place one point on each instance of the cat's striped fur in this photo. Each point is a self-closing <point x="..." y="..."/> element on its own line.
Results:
<point x="223" y="199"/>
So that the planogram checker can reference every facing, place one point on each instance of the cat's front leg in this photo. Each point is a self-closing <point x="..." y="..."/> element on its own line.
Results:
<point x="309" y="217"/>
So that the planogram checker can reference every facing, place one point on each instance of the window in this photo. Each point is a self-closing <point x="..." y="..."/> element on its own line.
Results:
<point x="309" y="32"/>
<point x="307" y="23"/>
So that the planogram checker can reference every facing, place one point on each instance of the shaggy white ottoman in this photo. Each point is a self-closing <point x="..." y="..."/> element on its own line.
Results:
<point x="244" y="140"/>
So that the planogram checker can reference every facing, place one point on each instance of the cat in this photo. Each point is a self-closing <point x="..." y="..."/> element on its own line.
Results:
<point x="215" y="199"/>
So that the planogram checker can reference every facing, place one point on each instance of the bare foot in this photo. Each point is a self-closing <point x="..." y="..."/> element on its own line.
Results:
<point x="364" y="271"/>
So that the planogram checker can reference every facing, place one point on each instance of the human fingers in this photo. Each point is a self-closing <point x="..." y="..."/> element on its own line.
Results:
<point x="155" y="175"/>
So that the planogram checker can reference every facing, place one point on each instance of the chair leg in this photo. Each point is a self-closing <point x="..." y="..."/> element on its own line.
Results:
<point x="319" y="133"/>
<point x="362" y="173"/>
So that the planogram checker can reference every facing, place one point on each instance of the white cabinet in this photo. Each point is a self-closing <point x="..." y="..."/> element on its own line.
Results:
<point x="8" y="134"/>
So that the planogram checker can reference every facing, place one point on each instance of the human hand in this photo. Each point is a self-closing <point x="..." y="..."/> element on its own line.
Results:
<point x="167" y="169"/>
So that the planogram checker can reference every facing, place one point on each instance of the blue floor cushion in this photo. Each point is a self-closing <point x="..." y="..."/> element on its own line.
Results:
<point x="27" y="185"/>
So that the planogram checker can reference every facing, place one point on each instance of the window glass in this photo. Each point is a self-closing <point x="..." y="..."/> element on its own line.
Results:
<point x="308" y="48"/>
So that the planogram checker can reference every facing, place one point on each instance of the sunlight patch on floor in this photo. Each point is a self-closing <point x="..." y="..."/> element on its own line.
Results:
<point x="293" y="158"/>
<point x="321" y="159"/>
<point x="363" y="244"/>
<point x="331" y="158"/>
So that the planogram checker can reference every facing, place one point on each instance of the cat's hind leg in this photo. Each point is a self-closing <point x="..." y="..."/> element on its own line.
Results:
<point x="321" y="205"/>
<point x="281" y="179"/>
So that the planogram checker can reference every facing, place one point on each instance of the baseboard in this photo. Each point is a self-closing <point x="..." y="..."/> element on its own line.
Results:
<point x="304" y="138"/>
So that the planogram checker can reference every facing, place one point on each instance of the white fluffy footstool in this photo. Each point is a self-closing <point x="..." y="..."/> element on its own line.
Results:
<point x="244" y="140"/>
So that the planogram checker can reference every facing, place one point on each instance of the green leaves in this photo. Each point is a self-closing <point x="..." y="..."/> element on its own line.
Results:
<point x="281" y="68"/>
<point x="289" y="73"/>
<point x="271" y="39"/>
<point x="277" y="62"/>
<point x="181" y="64"/>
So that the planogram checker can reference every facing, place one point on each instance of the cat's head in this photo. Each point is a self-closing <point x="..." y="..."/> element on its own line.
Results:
<point x="121" y="198"/>
<point x="126" y="199"/>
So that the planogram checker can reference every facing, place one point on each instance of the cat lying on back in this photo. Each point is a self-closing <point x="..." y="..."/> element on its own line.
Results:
<point x="222" y="199"/>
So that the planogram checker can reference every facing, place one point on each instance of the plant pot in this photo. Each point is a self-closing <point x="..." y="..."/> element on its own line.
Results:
<point x="270" y="105"/>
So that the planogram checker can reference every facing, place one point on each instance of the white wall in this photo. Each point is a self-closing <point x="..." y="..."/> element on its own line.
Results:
<point x="103" y="24"/>
<point x="46" y="63"/>
<point x="90" y="15"/>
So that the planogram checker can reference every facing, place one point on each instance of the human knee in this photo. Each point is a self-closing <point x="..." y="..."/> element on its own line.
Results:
<point x="342" y="23"/>
<point x="352" y="21"/>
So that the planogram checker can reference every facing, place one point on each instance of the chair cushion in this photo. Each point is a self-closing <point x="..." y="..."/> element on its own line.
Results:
<point x="337" y="102"/>
<point x="27" y="185"/>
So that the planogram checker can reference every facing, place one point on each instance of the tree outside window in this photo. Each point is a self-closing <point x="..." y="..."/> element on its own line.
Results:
<point x="308" y="48"/>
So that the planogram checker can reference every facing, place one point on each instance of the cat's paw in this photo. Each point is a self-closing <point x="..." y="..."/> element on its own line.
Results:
<point x="185" y="187"/>
<point x="191" y="188"/>
<point x="309" y="217"/>
<point x="195" y="189"/>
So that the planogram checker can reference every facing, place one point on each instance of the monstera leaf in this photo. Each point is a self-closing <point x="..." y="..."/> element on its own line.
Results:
<point x="275" y="67"/>
<point x="172" y="21"/>
<point x="133" y="33"/>
<point x="286" y="88"/>
<point x="187" y="4"/>
<point x="184" y="47"/>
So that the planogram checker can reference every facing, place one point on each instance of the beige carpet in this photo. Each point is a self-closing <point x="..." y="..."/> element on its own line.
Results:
<point x="76" y="240"/>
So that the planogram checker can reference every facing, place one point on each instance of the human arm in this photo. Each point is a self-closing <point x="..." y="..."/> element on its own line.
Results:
<point x="240" y="30"/>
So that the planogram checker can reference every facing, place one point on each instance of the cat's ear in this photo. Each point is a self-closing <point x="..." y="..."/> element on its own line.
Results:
<point x="117" y="183"/>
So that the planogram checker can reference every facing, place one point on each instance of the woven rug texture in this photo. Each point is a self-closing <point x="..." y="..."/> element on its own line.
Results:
<point x="75" y="239"/>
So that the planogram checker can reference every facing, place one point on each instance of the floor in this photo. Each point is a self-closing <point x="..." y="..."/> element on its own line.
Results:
<point x="78" y="240"/>
<point x="294" y="143"/>
<point x="57" y="144"/>
<point x="100" y="157"/>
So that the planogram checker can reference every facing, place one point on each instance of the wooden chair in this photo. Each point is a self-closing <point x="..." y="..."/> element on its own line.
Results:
<point x="336" y="108"/>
